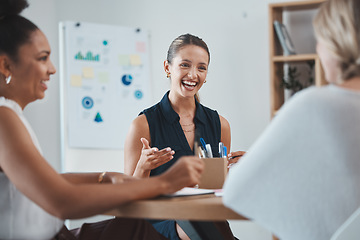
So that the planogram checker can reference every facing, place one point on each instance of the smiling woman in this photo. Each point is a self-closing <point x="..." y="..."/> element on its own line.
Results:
<point x="188" y="70"/>
<point x="163" y="133"/>
<point x="29" y="71"/>
<point x="35" y="199"/>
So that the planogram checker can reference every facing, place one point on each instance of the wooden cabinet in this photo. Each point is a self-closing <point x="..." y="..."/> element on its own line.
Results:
<point x="277" y="59"/>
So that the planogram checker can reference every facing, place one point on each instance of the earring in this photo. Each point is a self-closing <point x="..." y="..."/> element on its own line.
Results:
<point x="168" y="74"/>
<point x="205" y="81"/>
<point x="8" y="79"/>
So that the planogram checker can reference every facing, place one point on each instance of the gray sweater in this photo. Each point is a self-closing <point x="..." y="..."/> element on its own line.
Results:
<point x="301" y="178"/>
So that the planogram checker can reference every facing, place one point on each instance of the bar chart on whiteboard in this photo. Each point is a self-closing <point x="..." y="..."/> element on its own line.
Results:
<point x="107" y="82"/>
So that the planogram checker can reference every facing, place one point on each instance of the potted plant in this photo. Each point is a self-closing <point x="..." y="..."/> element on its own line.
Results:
<point x="292" y="82"/>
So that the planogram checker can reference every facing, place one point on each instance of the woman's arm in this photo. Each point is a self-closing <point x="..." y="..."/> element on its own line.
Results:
<point x="139" y="128"/>
<point x="97" y="177"/>
<point x="226" y="139"/>
<point x="35" y="178"/>
<point x="225" y="133"/>
<point x="139" y="157"/>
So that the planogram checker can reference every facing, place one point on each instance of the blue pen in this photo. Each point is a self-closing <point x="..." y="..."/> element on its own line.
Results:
<point x="203" y="143"/>
<point x="221" y="149"/>
<point x="225" y="151"/>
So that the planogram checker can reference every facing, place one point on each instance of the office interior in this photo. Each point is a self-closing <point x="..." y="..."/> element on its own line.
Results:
<point x="238" y="82"/>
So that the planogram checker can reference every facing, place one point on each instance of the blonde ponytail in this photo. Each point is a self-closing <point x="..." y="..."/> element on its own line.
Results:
<point x="337" y="24"/>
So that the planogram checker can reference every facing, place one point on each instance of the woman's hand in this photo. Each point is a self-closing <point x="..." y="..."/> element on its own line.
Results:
<point x="152" y="158"/>
<point x="234" y="157"/>
<point x="117" y="178"/>
<point x="186" y="172"/>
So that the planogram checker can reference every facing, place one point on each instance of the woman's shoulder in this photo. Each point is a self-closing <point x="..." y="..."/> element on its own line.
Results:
<point x="157" y="107"/>
<point x="309" y="97"/>
<point x="307" y="93"/>
<point x="224" y="122"/>
<point x="316" y="93"/>
<point x="207" y="109"/>
<point x="139" y="121"/>
<point x="10" y="104"/>
<point x="152" y="109"/>
<point x="321" y="97"/>
<point x="210" y="113"/>
<point x="8" y="115"/>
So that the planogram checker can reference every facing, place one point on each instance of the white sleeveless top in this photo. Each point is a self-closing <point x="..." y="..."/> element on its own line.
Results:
<point x="20" y="218"/>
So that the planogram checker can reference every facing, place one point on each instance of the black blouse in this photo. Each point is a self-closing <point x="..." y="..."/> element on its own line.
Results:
<point x="166" y="131"/>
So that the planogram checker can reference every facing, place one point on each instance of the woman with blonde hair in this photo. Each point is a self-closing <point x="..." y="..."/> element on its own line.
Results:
<point x="301" y="178"/>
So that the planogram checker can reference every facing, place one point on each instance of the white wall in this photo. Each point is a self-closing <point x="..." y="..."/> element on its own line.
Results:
<point x="44" y="115"/>
<point x="236" y="32"/>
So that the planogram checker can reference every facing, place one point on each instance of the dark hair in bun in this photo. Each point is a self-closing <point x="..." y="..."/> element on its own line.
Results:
<point x="11" y="7"/>
<point x="15" y="30"/>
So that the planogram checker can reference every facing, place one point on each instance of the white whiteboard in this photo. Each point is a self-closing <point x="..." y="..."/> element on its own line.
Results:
<point x="105" y="83"/>
<point x="107" y="78"/>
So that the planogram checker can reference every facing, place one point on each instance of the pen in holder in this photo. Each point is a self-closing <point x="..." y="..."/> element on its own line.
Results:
<point x="208" y="151"/>
<point x="197" y="144"/>
<point x="196" y="149"/>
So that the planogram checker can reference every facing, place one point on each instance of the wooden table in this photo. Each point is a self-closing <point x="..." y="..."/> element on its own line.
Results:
<point x="200" y="207"/>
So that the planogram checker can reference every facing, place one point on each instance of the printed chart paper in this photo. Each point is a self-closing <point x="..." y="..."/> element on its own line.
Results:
<point x="107" y="82"/>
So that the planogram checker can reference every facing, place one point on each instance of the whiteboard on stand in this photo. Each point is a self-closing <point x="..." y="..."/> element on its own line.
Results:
<point x="105" y="83"/>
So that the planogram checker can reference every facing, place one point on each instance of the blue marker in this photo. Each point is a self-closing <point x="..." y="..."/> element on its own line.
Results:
<point x="203" y="143"/>
<point x="225" y="151"/>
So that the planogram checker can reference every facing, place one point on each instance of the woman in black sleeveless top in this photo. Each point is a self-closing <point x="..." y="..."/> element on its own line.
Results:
<point x="166" y="131"/>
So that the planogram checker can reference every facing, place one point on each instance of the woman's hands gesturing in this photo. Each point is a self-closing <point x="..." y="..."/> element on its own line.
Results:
<point x="151" y="158"/>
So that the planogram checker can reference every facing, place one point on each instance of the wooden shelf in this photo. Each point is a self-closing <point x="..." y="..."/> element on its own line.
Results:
<point x="298" y="5"/>
<point x="277" y="60"/>
<point x="295" y="58"/>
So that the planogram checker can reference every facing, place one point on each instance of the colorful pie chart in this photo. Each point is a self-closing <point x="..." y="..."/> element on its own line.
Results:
<point x="127" y="79"/>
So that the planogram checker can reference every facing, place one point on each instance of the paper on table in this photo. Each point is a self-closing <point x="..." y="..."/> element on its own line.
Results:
<point x="219" y="192"/>
<point x="188" y="191"/>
